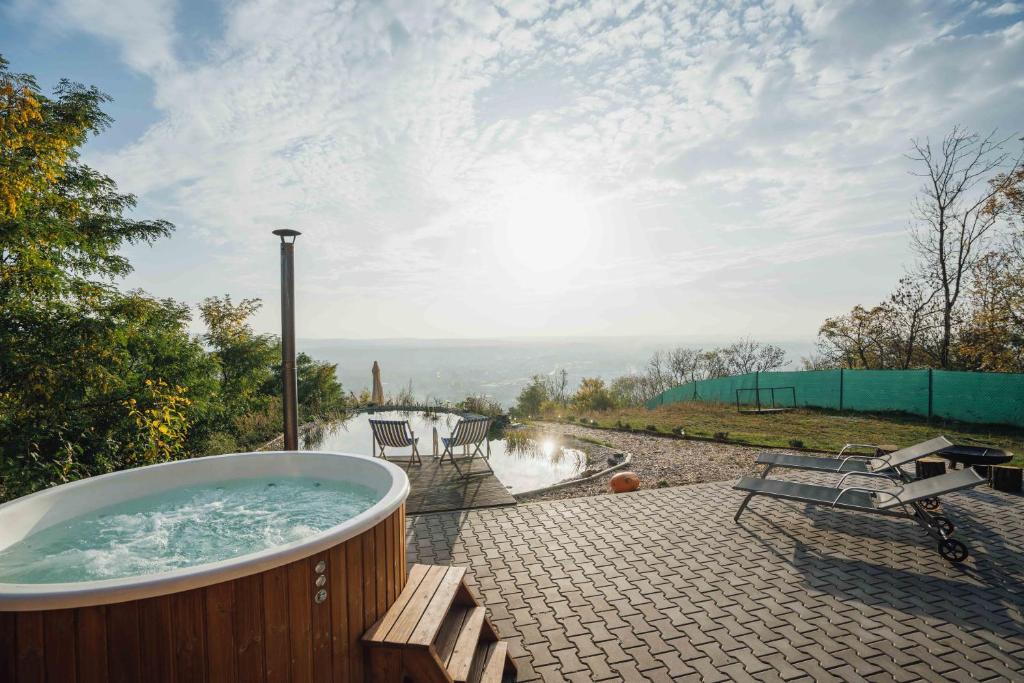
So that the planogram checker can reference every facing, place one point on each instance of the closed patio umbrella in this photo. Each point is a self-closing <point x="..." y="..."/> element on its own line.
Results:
<point x="378" y="389"/>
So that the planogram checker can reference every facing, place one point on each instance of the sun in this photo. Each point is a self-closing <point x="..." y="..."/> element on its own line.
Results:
<point x="549" y="229"/>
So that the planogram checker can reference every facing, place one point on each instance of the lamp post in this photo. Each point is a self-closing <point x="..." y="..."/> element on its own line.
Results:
<point x="290" y="398"/>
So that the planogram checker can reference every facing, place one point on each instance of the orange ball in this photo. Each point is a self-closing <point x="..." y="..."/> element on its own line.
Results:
<point x="623" y="482"/>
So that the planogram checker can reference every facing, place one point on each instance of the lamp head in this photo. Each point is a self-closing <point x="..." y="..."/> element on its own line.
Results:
<point x="285" y="233"/>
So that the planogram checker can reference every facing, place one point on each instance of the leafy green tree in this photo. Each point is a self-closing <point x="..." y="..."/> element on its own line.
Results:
<point x="71" y="369"/>
<point x="244" y="358"/>
<point x="62" y="222"/>
<point x="629" y="391"/>
<point x="320" y="394"/>
<point x="93" y="379"/>
<point x="593" y="395"/>
<point x="165" y="424"/>
<point x="74" y="351"/>
<point x="532" y="397"/>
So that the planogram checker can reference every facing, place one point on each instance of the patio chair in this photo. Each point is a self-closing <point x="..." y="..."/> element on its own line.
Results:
<point x="470" y="432"/>
<point x="394" y="434"/>
<point x="902" y="501"/>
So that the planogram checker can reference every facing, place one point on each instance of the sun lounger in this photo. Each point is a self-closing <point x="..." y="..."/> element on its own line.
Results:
<point x="470" y="432"/>
<point x="903" y="500"/>
<point x="394" y="434"/>
<point x="888" y="464"/>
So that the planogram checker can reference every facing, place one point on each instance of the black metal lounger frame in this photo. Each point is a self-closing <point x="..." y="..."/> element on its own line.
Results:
<point x="932" y="446"/>
<point x="939" y="528"/>
<point x="890" y="472"/>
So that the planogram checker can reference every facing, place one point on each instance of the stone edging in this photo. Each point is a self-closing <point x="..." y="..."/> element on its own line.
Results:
<point x="562" y="484"/>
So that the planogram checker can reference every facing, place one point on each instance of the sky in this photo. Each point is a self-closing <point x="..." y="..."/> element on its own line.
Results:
<point x="528" y="169"/>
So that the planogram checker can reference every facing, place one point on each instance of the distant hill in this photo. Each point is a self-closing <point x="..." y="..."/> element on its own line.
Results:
<point x="451" y="369"/>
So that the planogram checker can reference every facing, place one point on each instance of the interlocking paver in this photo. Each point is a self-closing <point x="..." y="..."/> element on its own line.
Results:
<point x="662" y="585"/>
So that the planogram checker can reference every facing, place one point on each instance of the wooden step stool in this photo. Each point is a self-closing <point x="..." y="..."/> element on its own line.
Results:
<point x="437" y="632"/>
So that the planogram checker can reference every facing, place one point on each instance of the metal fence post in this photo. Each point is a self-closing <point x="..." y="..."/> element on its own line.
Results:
<point x="929" y="393"/>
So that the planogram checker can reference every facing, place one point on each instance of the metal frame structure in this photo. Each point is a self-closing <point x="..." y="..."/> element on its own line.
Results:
<point x="911" y="506"/>
<point x="757" y="400"/>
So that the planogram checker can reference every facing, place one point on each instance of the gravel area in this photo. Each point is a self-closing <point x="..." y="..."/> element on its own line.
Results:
<point x="676" y="462"/>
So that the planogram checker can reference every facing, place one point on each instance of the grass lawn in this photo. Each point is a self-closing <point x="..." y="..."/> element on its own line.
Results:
<point x="822" y="429"/>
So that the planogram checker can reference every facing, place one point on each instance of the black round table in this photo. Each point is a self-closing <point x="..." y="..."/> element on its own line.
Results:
<point x="969" y="456"/>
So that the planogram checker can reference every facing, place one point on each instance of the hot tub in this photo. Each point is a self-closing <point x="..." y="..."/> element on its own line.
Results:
<point x="291" y="612"/>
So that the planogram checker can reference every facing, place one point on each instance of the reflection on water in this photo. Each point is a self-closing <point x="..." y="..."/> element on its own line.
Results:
<point x="520" y="461"/>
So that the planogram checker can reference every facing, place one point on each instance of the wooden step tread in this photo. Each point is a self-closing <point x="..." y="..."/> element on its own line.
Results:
<point x="419" y="612"/>
<point x="489" y="663"/>
<point x="448" y="636"/>
<point x="460" y="660"/>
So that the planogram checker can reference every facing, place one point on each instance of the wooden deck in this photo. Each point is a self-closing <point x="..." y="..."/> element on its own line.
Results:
<point x="436" y="488"/>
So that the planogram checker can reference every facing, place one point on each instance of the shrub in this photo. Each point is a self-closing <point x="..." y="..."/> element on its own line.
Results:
<point x="796" y="443"/>
<point x="220" y="442"/>
<point x="593" y="395"/>
<point x="679" y="431"/>
<point x="721" y="436"/>
<point x="255" y="428"/>
<point x="662" y="484"/>
<point x="480" y="405"/>
<point x="532" y="398"/>
<point x="652" y="428"/>
<point x="570" y="418"/>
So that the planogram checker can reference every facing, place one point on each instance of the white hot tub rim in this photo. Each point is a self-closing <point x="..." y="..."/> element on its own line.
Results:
<point x="49" y="596"/>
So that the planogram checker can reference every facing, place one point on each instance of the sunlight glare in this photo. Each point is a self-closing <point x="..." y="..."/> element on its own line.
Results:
<point x="549" y="231"/>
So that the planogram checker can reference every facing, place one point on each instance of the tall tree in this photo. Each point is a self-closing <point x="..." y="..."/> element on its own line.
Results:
<point x="955" y="213"/>
<point x="243" y="357"/>
<point x="748" y="355"/>
<point x="592" y="394"/>
<point x="909" y="322"/>
<point x="74" y="351"/>
<point x="993" y="335"/>
<point x="532" y="397"/>
<point x="855" y="340"/>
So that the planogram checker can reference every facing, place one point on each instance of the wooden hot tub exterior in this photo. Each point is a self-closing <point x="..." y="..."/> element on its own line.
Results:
<point x="267" y="626"/>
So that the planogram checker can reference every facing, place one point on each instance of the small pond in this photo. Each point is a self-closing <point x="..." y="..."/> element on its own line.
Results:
<point x="520" y="462"/>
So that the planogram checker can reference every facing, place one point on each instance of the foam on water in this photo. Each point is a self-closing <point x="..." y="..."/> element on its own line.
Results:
<point x="182" y="528"/>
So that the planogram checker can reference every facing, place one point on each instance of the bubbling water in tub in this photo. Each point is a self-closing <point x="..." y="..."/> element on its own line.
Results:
<point x="183" y="527"/>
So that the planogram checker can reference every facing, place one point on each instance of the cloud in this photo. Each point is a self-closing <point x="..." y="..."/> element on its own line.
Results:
<point x="731" y="136"/>
<point x="142" y="31"/>
<point x="1004" y="9"/>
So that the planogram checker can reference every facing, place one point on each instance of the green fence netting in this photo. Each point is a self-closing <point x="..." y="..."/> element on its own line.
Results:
<point x="984" y="397"/>
<point x="818" y="389"/>
<point x="979" y="397"/>
<point x="884" y="390"/>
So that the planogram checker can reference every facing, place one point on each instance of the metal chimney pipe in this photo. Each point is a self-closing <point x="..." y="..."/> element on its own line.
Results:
<point x="291" y="393"/>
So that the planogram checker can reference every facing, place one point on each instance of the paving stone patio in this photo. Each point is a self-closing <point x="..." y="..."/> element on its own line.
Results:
<point x="662" y="585"/>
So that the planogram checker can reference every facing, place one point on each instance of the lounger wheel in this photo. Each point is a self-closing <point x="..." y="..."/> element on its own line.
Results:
<point x="953" y="550"/>
<point x="930" y="503"/>
<point x="944" y="525"/>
